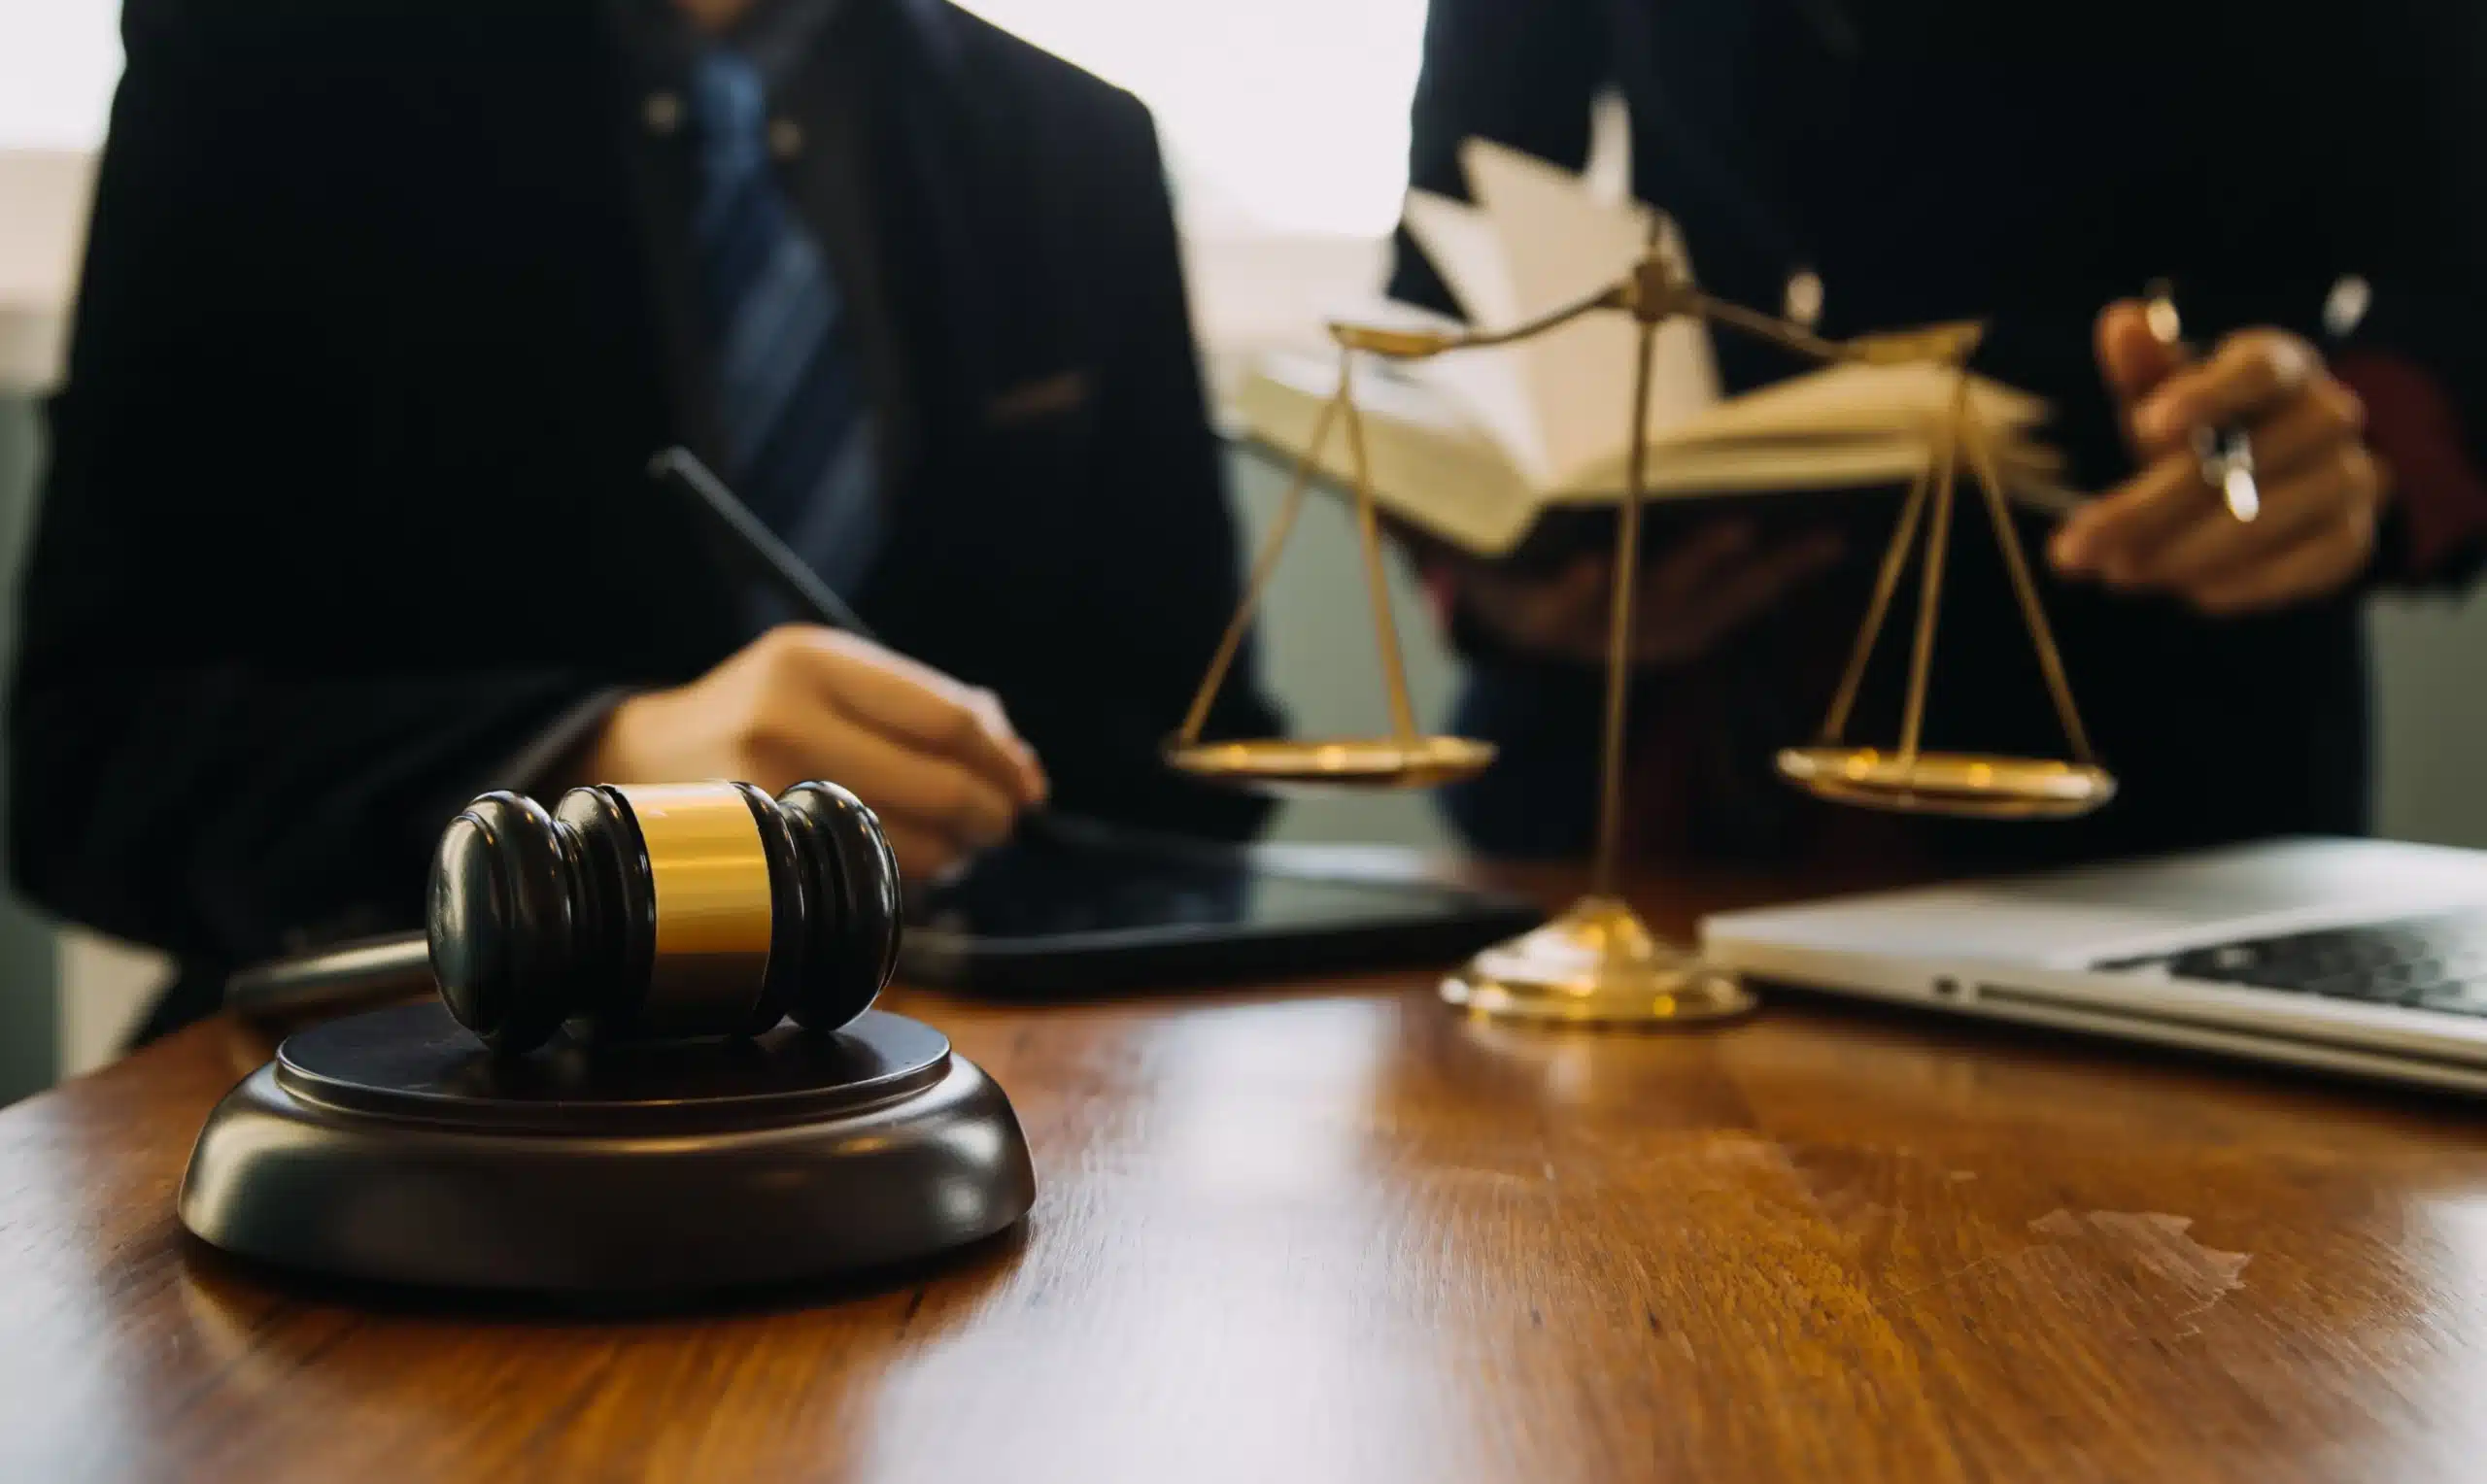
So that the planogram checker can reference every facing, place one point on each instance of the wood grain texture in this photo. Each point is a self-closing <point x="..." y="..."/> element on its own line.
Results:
<point x="1331" y="1232"/>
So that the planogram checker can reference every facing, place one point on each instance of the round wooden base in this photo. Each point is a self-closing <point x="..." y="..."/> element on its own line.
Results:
<point x="390" y="1147"/>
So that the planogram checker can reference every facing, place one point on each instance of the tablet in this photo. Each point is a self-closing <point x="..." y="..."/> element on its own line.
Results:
<point x="1074" y="907"/>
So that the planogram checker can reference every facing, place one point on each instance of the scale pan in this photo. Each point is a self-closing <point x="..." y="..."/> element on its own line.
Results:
<point x="1337" y="763"/>
<point x="1966" y="785"/>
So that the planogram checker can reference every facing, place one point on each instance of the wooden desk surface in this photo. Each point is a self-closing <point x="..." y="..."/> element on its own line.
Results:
<point x="1334" y="1232"/>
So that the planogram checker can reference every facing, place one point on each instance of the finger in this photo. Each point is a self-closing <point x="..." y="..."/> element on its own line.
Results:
<point x="1577" y="596"/>
<point x="1667" y="585"/>
<point x="1689" y="565"/>
<point x="2308" y="428"/>
<point x="925" y="789"/>
<point x="1738" y="594"/>
<point x="2321" y="563"/>
<point x="1749" y="586"/>
<point x="1537" y="613"/>
<point x="2250" y="371"/>
<point x="2132" y="357"/>
<point x="1034" y="785"/>
<point x="1574" y="612"/>
<point x="2216" y="546"/>
<point x="1529" y="604"/>
<point x="2117" y="532"/>
<point x="913" y="704"/>
<point x="924" y="856"/>
<point x="1668" y="623"/>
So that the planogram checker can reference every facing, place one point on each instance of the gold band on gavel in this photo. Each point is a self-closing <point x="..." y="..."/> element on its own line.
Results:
<point x="709" y="877"/>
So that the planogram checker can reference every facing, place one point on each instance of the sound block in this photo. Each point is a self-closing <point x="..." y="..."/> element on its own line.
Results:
<point x="390" y="1147"/>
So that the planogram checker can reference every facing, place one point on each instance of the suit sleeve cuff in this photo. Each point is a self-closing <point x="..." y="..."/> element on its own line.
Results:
<point x="2437" y="527"/>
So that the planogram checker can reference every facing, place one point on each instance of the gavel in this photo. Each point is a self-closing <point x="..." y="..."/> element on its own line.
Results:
<point x="646" y="911"/>
<point x="633" y="912"/>
<point x="687" y="919"/>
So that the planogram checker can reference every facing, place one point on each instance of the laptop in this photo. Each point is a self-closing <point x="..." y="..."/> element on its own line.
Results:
<point x="2363" y="957"/>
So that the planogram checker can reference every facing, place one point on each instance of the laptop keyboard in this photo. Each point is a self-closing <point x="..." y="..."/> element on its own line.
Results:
<point x="2435" y="963"/>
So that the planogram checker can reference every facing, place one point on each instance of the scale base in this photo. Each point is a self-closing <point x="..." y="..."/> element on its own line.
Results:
<point x="1596" y="965"/>
<point x="389" y="1147"/>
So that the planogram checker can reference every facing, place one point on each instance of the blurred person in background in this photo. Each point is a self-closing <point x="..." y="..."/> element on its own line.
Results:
<point x="385" y="307"/>
<point x="1943" y="159"/>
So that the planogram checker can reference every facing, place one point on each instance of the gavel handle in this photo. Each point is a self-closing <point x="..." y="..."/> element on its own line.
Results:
<point x="367" y="972"/>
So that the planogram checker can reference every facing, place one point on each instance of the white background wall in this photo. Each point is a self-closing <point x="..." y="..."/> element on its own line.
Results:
<point x="2431" y="702"/>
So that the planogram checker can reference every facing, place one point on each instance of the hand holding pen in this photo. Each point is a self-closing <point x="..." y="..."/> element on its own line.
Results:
<point x="936" y="759"/>
<point x="2225" y="454"/>
<point x="2255" y="488"/>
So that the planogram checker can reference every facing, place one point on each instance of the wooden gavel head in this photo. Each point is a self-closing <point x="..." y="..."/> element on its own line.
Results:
<point x="656" y="911"/>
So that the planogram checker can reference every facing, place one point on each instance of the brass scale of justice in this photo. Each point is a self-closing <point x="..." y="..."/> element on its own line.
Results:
<point x="1598" y="963"/>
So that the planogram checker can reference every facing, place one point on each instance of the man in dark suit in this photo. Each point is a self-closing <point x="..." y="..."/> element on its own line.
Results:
<point x="2035" y="166"/>
<point x="385" y="307"/>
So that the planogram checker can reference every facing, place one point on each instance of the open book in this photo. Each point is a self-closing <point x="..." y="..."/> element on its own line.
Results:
<point x="1477" y="446"/>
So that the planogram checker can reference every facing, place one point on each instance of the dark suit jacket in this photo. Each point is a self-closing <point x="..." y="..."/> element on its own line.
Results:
<point x="380" y="325"/>
<point x="1937" y="160"/>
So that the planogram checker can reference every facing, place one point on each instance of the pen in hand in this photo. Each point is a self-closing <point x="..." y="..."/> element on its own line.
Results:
<point x="751" y="545"/>
<point x="2224" y="455"/>
<point x="344" y="975"/>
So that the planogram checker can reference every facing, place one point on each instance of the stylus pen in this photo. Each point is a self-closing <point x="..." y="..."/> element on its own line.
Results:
<point x="769" y="559"/>
<point x="2225" y="455"/>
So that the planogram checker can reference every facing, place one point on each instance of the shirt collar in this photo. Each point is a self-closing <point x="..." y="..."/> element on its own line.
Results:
<point x="776" y="34"/>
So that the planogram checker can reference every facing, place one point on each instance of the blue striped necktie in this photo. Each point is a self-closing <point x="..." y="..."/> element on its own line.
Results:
<point x="797" y="443"/>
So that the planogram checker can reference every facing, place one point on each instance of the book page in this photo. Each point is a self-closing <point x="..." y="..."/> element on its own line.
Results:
<point x="1853" y="399"/>
<point x="1859" y="461"/>
<point x="1559" y="242"/>
<point x="1463" y="248"/>
<point x="1539" y="239"/>
<point x="1433" y="463"/>
<point x="1854" y="460"/>
<point x="1840" y="426"/>
<point x="1488" y="383"/>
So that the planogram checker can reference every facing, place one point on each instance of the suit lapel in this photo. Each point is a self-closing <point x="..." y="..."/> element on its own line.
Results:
<point x="991" y="293"/>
